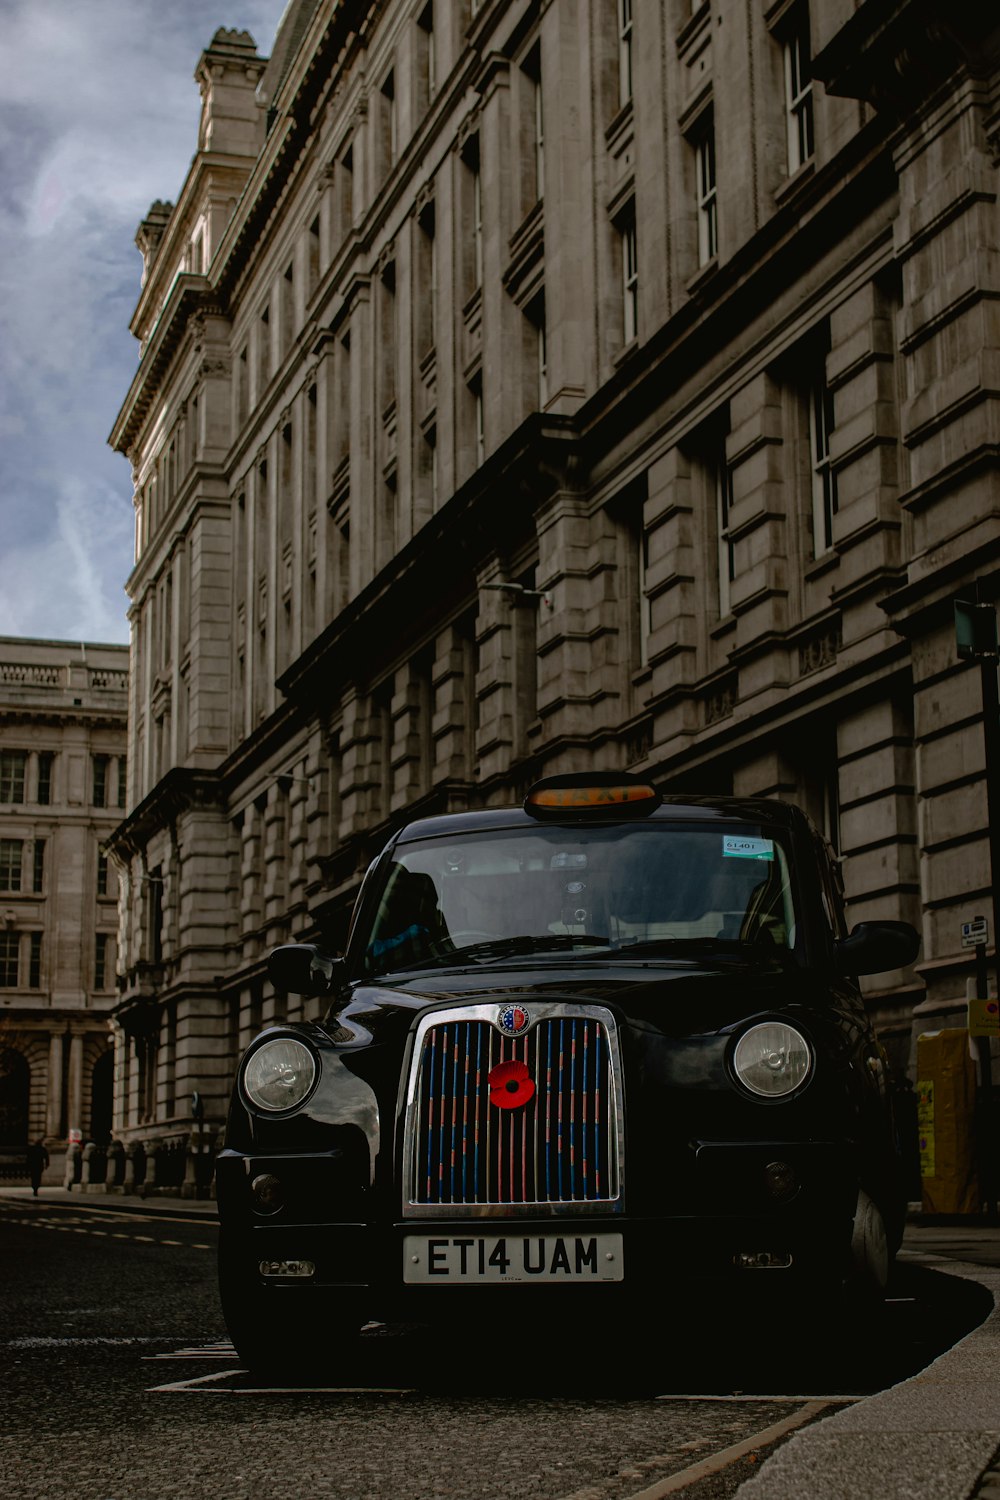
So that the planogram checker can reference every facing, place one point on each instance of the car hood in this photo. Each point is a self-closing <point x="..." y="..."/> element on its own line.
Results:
<point x="675" y="999"/>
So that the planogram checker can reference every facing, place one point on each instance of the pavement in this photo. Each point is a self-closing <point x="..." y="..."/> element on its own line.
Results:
<point x="935" y="1436"/>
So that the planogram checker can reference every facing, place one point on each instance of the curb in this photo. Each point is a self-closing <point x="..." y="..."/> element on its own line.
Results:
<point x="930" y="1437"/>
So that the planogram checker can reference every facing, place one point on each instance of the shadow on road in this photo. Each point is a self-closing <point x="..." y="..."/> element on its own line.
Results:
<point x="772" y="1342"/>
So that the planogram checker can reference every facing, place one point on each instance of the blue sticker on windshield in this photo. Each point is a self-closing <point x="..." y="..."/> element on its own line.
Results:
<point x="738" y="847"/>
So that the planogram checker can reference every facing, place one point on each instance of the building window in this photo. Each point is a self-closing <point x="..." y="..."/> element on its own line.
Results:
<point x="533" y="75"/>
<point x="630" y="280"/>
<point x="478" y="419"/>
<point x="101" y="947"/>
<point x="642" y="591"/>
<point x="344" y="195"/>
<point x="798" y="93"/>
<point x="312" y="257"/>
<point x="45" y="759"/>
<point x="472" y="217"/>
<point x="477" y="225"/>
<point x="154" y="916"/>
<point x="726" y="547"/>
<point x="11" y="851"/>
<point x="99" y="766"/>
<point x="263" y="352"/>
<point x="708" y="219"/>
<point x="389" y="141"/>
<point x="824" y="481"/>
<point x="35" y="961"/>
<point x="102" y="873"/>
<point x="38" y="867"/>
<point x="121" y="782"/>
<point x="427" y="52"/>
<point x="13" y="764"/>
<point x="624" y="51"/>
<point x="10" y="943"/>
<point x="427" y="275"/>
<point x="543" y="357"/>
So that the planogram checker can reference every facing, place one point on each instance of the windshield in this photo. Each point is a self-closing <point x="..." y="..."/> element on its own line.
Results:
<point x="639" y="888"/>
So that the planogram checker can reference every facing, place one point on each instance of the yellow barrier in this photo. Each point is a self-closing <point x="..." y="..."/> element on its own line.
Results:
<point x="946" y="1109"/>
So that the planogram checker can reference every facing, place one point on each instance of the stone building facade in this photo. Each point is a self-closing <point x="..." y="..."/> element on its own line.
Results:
<point x="62" y="792"/>
<point x="529" y="387"/>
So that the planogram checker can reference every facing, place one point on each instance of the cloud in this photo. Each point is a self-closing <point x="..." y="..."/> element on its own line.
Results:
<point x="98" y="117"/>
<point x="65" y="585"/>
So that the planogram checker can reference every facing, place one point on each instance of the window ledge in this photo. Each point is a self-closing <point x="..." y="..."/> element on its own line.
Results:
<point x="822" y="564"/>
<point x="626" y="352"/>
<point x="793" y="183"/>
<point x="702" y="276"/>
<point x="723" y="627"/>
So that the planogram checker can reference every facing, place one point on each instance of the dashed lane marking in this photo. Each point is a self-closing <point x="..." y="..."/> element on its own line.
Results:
<point x="69" y="1216"/>
<point x="39" y="1342"/>
<point x="80" y="1226"/>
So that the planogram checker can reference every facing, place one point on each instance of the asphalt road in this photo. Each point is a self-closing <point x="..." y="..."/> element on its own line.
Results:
<point x="119" y="1384"/>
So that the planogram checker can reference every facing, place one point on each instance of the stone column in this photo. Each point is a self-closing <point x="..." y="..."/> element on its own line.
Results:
<point x="53" y="1117"/>
<point x="74" y="1100"/>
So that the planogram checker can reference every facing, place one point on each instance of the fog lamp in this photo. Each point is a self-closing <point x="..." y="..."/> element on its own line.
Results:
<point x="762" y="1260"/>
<point x="268" y="1193"/>
<point x="288" y="1270"/>
<point x="781" y="1180"/>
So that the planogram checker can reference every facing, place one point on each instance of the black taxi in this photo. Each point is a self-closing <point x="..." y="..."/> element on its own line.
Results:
<point x="600" y="1050"/>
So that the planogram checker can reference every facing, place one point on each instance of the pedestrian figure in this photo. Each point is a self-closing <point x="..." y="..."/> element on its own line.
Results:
<point x="38" y="1160"/>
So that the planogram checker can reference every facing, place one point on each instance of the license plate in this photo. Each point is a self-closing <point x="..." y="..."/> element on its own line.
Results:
<point x="550" y="1258"/>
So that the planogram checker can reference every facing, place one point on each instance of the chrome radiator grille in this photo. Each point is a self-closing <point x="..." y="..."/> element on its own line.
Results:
<point x="526" y="1121"/>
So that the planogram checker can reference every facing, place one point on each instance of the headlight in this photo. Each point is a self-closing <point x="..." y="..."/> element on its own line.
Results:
<point x="772" y="1059"/>
<point x="279" y="1075"/>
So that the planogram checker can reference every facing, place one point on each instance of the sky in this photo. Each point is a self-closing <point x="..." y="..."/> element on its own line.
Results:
<point x="99" y="116"/>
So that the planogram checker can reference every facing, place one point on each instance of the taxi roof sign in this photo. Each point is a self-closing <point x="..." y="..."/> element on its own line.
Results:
<point x="594" y="792"/>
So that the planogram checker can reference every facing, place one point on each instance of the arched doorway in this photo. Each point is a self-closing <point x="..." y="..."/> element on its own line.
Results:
<point x="101" y="1088"/>
<point x="15" y="1087"/>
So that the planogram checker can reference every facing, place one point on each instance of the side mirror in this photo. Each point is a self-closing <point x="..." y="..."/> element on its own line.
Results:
<point x="301" y="969"/>
<point x="874" y="947"/>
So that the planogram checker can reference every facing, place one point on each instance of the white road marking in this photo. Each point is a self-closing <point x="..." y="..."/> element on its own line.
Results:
<point x="64" y="1343"/>
<point x="221" y="1350"/>
<point x="81" y="1226"/>
<point x="103" y="1213"/>
<point x="199" y="1380"/>
<point x="758" y="1396"/>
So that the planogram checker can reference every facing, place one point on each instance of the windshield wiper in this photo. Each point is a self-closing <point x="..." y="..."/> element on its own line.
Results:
<point x="509" y="947"/>
<point x="719" y="947"/>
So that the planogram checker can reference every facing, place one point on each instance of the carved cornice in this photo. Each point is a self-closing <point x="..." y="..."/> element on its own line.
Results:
<point x="180" y="790"/>
<point x="896" y="56"/>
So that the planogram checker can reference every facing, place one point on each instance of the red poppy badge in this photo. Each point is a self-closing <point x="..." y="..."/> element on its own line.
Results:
<point x="510" y="1085"/>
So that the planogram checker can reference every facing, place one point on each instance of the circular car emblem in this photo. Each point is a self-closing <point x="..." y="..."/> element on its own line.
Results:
<point x="512" y="1020"/>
